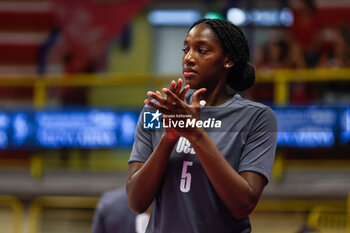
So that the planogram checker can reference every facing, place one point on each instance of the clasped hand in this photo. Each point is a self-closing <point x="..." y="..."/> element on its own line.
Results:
<point x="174" y="108"/>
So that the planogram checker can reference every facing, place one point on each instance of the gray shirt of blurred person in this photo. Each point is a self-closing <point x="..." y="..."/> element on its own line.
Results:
<point x="113" y="215"/>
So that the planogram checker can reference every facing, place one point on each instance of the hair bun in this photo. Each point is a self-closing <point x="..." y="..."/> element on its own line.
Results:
<point x="244" y="77"/>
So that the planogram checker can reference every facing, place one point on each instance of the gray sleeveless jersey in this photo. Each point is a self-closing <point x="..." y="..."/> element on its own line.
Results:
<point x="186" y="201"/>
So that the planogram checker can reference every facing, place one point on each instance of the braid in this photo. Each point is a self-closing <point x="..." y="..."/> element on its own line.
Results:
<point x="233" y="40"/>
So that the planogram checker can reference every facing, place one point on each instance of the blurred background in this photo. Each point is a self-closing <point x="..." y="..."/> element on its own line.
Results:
<point x="74" y="74"/>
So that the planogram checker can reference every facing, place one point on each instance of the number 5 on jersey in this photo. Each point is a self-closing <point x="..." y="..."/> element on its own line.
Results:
<point x="185" y="184"/>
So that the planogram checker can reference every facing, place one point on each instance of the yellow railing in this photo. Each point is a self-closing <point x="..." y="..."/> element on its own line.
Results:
<point x="287" y="215"/>
<point x="41" y="83"/>
<point x="45" y="212"/>
<point x="330" y="218"/>
<point x="280" y="78"/>
<point x="17" y="212"/>
<point x="58" y="202"/>
<point x="325" y="215"/>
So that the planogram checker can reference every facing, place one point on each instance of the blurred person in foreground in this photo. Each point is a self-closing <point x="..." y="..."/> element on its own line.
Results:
<point x="207" y="177"/>
<point x="113" y="215"/>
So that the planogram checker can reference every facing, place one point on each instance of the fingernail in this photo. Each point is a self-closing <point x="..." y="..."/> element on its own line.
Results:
<point x="165" y="90"/>
<point x="146" y="101"/>
<point x="149" y="93"/>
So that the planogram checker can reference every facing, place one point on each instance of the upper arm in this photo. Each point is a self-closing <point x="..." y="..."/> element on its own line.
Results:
<point x="142" y="147"/>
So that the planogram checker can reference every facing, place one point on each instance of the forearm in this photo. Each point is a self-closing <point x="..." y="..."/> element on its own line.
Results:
<point x="144" y="181"/>
<point x="232" y="188"/>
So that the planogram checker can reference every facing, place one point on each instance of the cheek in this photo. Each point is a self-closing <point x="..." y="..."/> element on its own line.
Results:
<point x="215" y="65"/>
<point x="220" y="63"/>
<point x="214" y="60"/>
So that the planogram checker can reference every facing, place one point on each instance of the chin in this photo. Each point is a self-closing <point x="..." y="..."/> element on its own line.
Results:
<point x="193" y="84"/>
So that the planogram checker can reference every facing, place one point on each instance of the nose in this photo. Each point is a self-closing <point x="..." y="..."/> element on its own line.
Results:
<point x="188" y="58"/>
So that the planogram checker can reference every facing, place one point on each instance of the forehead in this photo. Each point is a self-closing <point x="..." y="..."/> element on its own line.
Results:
<point x="202" y="33"/>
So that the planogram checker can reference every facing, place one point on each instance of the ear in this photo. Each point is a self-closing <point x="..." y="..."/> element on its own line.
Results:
<point x="228" y="62"/>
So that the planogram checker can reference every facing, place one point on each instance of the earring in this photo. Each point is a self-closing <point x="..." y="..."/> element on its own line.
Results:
<point x="227" y="66"/>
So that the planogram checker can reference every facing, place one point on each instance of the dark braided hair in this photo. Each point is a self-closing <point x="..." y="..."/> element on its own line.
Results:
<point x="242" y="75"/>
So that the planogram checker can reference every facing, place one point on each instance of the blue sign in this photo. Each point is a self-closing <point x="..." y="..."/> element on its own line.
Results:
<point x="306" y="127"/>
<point x="5" y="120"/>
<point x="93" y="128"/>
<point x="309" y="126"/>
<point x="345" y="133"/>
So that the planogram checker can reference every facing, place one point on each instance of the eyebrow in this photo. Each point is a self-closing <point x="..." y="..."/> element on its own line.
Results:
<point x="201" y="42"/>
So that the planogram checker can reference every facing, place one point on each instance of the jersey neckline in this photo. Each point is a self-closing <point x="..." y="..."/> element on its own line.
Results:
<point x="227" y="103"/>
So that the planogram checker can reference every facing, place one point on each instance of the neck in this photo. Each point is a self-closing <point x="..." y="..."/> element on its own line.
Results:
<point x="216" y="96"/>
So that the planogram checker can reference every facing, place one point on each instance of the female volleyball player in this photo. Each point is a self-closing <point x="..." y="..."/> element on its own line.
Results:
<point x="206" y="168"/>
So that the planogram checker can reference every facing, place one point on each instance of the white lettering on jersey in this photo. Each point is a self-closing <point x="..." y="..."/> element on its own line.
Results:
<point x="184" y="146"/>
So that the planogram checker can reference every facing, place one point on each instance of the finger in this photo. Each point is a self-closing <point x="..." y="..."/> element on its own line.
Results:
<point x="162" y="102"/>
<point x="183" y="92"/>
<point x="172" y="85"/>
<point x="158" y="94"/>
<point x="157" y="106"/>
<point x="178" y="87"/>
<point x="172" y="97"/>
<point x="196" y="96"/>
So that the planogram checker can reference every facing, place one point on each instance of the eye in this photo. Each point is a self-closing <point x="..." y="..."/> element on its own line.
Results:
<point x="185" y="50"/>
<point x="203" y="51"/>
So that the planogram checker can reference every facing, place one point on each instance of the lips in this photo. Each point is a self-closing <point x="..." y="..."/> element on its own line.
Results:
<point x="188" y="73"/>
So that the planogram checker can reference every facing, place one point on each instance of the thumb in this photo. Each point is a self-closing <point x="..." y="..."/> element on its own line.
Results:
<point x="196" y="96"/>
